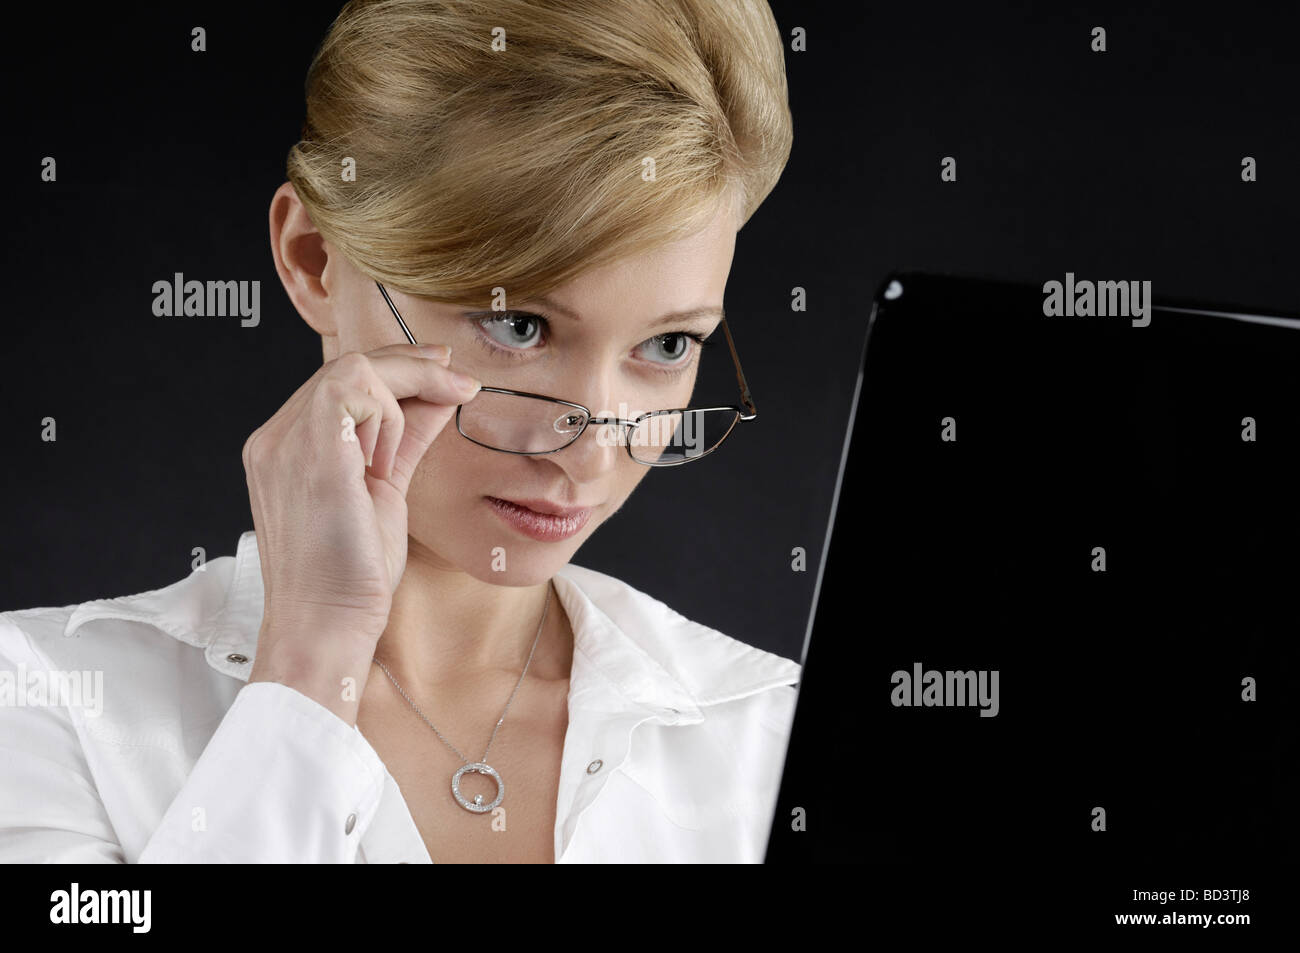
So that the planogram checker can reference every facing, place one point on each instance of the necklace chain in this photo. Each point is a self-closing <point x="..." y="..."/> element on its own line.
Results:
<point x="508" y="702"/>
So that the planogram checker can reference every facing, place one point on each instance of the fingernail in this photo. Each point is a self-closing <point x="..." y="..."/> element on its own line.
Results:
<point x="439" y="352"/>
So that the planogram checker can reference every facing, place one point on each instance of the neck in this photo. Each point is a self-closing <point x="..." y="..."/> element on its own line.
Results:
<point x="446" y="627"/>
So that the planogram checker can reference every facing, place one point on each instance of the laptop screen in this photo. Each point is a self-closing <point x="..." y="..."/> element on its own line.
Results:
<point x="1055" y="618"/>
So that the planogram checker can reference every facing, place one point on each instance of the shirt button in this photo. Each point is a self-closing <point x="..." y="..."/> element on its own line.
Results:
<point x="236" y="658"/>
<point x="594" y="766"/>
<point x="352" y="822"/>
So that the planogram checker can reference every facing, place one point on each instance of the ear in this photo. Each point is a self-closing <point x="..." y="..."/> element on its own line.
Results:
<point x="301" y="259"/>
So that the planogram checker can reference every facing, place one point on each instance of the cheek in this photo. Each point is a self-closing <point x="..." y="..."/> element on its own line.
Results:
<point x="445" y="476"/>
<point x="445" y="493"/>
<point x="444" y="512"/>
<point x="630" y="476"/>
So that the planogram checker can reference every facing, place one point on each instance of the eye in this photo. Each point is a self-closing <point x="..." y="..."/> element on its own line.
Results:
<point x="672" y="348"/>
<point x="513" y="329"/>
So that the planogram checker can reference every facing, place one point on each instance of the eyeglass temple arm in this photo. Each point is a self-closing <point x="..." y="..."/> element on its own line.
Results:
<point x="740" y="375"/>
<point x="405" y="330"/>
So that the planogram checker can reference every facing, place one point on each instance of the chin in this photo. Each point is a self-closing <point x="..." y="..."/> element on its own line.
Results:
<point x="521" y="570"/>
<point x="477" y="541"/>
<point x="510" y="559"/>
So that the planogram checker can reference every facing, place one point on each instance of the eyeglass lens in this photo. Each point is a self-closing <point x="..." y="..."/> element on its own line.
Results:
<point x="520" y="424"/>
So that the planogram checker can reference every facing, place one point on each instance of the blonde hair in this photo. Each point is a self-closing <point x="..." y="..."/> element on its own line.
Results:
<point x="477" y="168"/>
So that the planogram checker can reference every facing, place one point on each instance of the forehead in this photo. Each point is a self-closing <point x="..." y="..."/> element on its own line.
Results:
<point x="683" y="275"/>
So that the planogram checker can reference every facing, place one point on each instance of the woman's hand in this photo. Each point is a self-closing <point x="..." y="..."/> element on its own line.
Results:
<point x="327" y="480"/>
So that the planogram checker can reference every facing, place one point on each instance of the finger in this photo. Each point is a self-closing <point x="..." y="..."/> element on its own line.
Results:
<point x="439" y="354"/>
<point x="424" y="421"/>
<point x="409" y="383"/>
<point x="377" y="366"/>
<point x="367" y="435"/>
<point x="436" y="352"/>
<point x="407" y="375"/>
<point x="351" y="417"/>
<point x="391" y="427"/>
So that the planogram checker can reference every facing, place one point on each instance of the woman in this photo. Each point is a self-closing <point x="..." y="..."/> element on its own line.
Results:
<point x="401" y="664"/>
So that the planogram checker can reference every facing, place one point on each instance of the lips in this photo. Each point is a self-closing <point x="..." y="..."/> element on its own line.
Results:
<point x="539" y="525"/>
<point x="546" y="507"/>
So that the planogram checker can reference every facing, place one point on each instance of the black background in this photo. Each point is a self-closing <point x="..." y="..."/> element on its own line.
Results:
<point x="1123" y="163"/>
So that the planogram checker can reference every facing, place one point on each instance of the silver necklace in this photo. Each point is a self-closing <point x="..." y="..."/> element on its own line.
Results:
<point x="481" y="766"/>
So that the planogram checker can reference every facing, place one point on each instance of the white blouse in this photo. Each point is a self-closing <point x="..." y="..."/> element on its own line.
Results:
<point x="128" y="735"/>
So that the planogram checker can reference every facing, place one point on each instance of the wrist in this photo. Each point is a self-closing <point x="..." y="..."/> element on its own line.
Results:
<point x="330" y="671"/>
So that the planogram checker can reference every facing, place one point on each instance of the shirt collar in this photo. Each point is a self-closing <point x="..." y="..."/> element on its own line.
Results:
<point x="654" y="657"/>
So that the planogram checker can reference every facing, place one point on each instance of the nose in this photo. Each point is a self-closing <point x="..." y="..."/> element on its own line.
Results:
<point x="595" y="454"/>
<point x="608" y="397"/>
<point x="599" y="449"/>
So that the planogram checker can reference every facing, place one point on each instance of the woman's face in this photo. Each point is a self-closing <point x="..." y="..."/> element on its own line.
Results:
<point x="602" y="341"/>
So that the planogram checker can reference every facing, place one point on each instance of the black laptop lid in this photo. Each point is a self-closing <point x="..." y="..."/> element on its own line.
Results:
<point x="1102" y="511"/>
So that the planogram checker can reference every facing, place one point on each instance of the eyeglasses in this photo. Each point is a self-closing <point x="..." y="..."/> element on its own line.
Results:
<point x="515" y="421"/>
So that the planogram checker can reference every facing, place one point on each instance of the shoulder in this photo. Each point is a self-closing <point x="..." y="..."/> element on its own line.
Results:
<point x="102" y="633"/>
<point x="712" y="666"/>
<point x="712" y="716"/>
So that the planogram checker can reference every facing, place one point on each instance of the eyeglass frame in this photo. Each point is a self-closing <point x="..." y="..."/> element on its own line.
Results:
<point x="589" y="419"/>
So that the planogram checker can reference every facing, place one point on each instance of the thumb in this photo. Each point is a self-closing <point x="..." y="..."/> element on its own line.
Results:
<point x="424" y="421"/>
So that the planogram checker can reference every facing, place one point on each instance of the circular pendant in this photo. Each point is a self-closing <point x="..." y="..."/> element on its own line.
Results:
<point x="477" y="805"/>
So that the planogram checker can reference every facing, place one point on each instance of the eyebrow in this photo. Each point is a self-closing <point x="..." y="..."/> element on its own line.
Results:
<point x="673" y="318"/>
